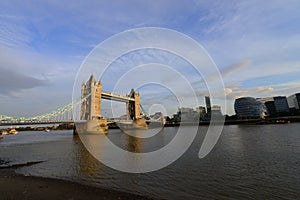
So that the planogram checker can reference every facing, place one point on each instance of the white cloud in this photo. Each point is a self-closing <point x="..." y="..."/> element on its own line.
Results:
<point x="264" y="89"/>
<point x="228" y="91"/>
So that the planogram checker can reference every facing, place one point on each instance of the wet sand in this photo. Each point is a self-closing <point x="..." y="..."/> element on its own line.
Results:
<point x="16" y="186"/>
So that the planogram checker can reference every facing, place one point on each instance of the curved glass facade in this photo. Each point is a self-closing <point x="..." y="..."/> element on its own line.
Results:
<point x="248" y="107"/>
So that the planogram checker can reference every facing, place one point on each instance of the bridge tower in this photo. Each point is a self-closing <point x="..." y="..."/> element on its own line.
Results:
<point x="133" y="107"/>
<point x="90" y="107"/>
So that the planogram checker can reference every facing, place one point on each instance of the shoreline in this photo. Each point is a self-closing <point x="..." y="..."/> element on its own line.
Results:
<point x="18" y="186"/>
<point x="277" y="120"/>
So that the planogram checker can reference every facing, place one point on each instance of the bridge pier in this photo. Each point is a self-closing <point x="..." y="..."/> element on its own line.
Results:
<point x="96" y="126"/>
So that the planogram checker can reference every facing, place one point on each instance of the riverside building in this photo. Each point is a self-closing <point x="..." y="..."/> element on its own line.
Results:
<point x="294" y="101"/>
<point x="249" y="108"/>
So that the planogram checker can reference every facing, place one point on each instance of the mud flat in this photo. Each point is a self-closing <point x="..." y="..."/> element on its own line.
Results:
<point x="16" y="186"/>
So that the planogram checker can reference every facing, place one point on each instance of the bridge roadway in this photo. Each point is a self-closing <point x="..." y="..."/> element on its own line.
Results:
<point x="115" y="97"/>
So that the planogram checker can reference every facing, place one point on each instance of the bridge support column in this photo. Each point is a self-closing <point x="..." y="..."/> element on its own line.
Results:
<point x="133" y="107"/>
<point x="91" y="93"/>
<point x="137" y="106"/>
<point x="91" y="106"/>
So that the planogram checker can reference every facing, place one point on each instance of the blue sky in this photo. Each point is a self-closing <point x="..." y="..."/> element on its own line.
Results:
<point x="255" y="44"/>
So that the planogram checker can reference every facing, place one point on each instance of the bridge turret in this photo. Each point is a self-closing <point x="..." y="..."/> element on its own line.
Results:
<point x="91" y="91"/>
<point x="92" y="79"/>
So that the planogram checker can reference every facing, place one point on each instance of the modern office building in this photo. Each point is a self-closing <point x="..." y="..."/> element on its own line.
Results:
<point x="264" y="100"/>
<point x="249" y="108"/>
<point x="281" y="104"/>
<point x="275" y="105"/>
<point x="294" y="101"/>
<point x="185" y="114"/>
<point x="270" y="105"/>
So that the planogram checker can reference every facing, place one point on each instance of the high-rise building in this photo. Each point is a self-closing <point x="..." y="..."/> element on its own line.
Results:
<point x="294" y="101"/>
<point x="208" y="105"/>
<point x="248" y="107"/>
<point x="281" y="104"/>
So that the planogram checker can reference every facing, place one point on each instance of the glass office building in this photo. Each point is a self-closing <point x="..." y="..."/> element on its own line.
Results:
<point x="249" y="108"/>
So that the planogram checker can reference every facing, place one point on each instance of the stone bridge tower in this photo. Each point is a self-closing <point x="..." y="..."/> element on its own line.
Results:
<point x="90" y="107"/>
<point x="133" y="108"/>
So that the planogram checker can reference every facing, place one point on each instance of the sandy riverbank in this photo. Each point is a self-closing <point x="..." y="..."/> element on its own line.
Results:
<point x="16" y="186"/>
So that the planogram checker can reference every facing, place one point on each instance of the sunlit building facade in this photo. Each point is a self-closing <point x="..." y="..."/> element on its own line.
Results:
<point x="294" y="101"/>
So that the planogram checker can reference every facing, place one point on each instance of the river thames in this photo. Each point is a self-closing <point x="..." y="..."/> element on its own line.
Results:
<point x="248" y="162"/>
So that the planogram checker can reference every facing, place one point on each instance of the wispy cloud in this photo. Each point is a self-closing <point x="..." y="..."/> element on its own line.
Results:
<point x="265" y="89"/>
<point x="225" y="72"/>
<point x="47" y="40"/>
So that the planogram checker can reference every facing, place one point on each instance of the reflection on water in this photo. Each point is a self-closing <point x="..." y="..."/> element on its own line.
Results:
<point x="135" y="144"/>
<point x="85" y="161"/>
<point x="248" y="162"/>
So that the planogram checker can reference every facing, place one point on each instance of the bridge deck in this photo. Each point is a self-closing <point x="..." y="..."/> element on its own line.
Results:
<point x="115" y="97"/>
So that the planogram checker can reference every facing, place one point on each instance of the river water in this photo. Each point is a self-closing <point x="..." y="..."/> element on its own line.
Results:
<point x="248" y="162"/>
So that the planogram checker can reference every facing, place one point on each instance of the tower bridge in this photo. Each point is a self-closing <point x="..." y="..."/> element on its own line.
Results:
<point x="91" y="95"/>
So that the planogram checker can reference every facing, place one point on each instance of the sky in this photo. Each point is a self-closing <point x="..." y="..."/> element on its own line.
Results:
<point x="254" y="44"/>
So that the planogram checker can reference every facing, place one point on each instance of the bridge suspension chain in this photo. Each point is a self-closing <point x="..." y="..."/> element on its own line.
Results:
<point x="52" y="115"/>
